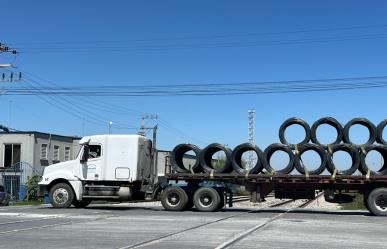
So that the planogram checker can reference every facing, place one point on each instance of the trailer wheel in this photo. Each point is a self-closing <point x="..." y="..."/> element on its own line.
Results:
<point x="206" y="199"/>
<point x="377" y="201"/>
<point x="81" y="204"/>
<point x="61" y="195"/>
<point x="174" y="199"/>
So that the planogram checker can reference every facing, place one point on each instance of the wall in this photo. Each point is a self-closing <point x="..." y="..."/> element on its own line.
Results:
<point x="27" y="146"/>
<point x="60" y="141"/>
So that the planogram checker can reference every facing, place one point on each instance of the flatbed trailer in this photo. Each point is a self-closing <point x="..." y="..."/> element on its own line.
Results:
<point x="336" y="188"/>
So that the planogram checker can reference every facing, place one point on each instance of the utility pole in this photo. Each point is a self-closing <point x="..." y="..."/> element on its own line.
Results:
<point x="5" y="49"/>
<point x="251" y="135"/>
<point x="142" y="129"/>
<point x="154" y="151"/>
<point x="9" y="76"/>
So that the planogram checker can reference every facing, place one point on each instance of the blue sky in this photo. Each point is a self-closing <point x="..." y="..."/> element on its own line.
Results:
<point x="203" y="120"/>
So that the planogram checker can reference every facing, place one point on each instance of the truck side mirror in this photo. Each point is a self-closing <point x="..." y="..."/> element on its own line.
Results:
<point x="85" y="154"/>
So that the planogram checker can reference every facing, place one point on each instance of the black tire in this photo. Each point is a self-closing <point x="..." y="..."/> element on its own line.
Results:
<point x="379" y="132"/>
<point x="292" y="121"/>
<point x="174" y="199"/>
<point x="61" y="195"/>
<point x="177" y="156"/>
<point x="353" y="152"/>
<point x="300" y="166"/>
<point x="361" y="121"/>
<point x="236" y="159"/>
<point x="382" y="149"/>
<point x="81" y="204"/>
<point x="269" y="151"/>
<point x="206" y="158"/>
<point x="377" y="201"/>
<point x="207" y="199"/>
<point x="332" y="122"/>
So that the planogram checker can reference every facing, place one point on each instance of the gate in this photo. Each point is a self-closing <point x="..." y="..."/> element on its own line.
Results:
<point x="15" y="178"/>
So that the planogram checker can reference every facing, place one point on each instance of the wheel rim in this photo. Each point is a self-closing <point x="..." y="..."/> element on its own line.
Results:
<point x="205" y="200"/>
<point x="381" y="202"/>
<point x="173" y="199"/>
<point x="60" y="196"/>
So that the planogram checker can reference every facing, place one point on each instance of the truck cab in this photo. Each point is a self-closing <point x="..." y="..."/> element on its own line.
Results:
<point x="108" y="167"/>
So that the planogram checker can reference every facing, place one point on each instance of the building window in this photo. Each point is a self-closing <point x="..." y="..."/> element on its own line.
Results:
<point x="12" y="154"/>
<point x="56" y="153"/>
<point x="67" y="153"/>
<point x="43" y="152"/>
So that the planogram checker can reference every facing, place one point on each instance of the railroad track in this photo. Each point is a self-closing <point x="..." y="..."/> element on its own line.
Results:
<point x="226" y="244"/>
<point x="282" y="203"/>
<point x="309" y="202"/>
<point x="233" y="240"/>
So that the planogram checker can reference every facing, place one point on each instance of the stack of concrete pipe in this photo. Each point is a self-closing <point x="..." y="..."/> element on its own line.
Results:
<point x="233" y="158"/>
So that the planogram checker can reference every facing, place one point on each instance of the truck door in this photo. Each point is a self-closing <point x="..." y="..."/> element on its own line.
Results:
<point x="94" y="162"/>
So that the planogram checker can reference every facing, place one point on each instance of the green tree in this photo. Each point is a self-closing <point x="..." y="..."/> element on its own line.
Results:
<point x="32" y="188"/>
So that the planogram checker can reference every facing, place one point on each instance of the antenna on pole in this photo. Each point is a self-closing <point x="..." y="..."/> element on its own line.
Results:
<point x="251" y="135"/>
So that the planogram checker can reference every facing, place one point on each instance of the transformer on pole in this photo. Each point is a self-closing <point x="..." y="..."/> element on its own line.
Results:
<point x="251" y="134"/>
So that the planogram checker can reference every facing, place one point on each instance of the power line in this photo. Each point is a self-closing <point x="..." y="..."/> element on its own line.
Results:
<point x="235" y="88"/>
<point x="212" y="45"/>
<point x="100" y="104"/>
<point x="214" y="36"/>
<point x="112" y="108"/>
<point x="69" y="108"/>
<point x="95" y="117"/>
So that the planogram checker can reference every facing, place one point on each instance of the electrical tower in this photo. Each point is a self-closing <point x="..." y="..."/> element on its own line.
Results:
<point x="251" y="134"/>
<point x="142" y="126"/>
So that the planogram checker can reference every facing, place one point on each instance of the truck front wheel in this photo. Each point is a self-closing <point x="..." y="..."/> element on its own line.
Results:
<point x="174" y="199"/>
<point x="377" y="201"/>
<point x="61" y="195"/>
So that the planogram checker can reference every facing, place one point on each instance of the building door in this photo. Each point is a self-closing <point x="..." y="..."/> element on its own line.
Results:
<point x="12" y="155"/>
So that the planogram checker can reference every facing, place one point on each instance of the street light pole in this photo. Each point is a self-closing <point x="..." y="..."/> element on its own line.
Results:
<point x="110" y="127"/>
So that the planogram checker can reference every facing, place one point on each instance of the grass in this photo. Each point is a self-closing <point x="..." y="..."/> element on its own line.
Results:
<point x="355" y="205"/>
<point x="23" y="203"/>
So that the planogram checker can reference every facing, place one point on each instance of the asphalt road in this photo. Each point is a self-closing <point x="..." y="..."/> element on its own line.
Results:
<point x="144" y="226"/>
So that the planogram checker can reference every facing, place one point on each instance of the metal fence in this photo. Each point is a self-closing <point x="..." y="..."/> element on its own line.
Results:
<point x="15" y="178"/>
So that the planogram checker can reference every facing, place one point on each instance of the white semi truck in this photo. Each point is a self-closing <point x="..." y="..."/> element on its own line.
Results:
<point x="108" y="167"/>
<point x="123" y="168"/>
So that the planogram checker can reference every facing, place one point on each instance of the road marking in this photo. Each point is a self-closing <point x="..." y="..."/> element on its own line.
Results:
<point x="36" y="227"/>
<point x="59" y="224"/>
